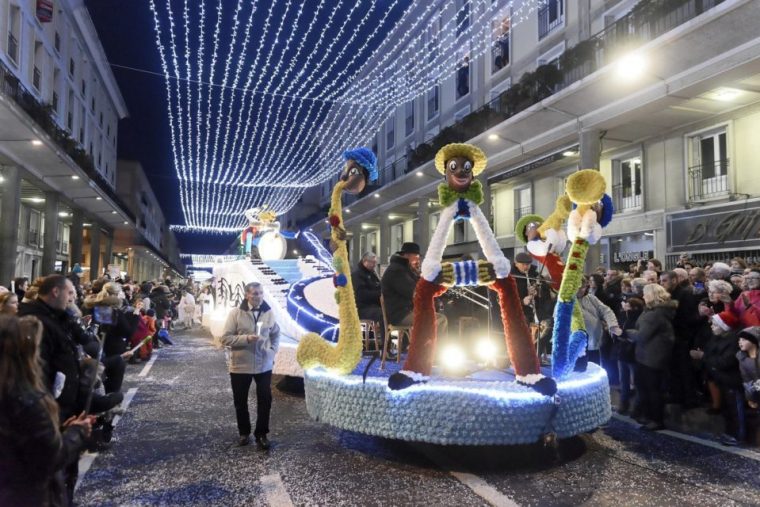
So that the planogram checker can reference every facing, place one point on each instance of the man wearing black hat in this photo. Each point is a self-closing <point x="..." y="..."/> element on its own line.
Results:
<point x="398" y="284"/>
<point x="534" y="292"/>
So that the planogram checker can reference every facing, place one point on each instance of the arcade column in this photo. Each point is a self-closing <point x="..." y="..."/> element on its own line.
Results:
<point x="422" y="224"/>
<point x="75" y="236"/>
<point x="384" y="254"/>
<point x="51" y="234"/>
<point x="94" y="251"/>
<point x="10" y="207"/>
<point x="590" y="144"/>
<point x="108" y="254"/>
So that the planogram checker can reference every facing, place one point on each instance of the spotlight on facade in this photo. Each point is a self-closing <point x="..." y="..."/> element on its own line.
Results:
<point x="62" y="214"/>
<point x="98" y="198"/>
<point x="631" y="66"/>
<point x="569" y="153"/>
<point x="420" y="173"/>
<point x="452" y="357"/>
<point x="377" y="196"/>
<point x="486" y="350"/>
<point x="493" y="137"/>
<point x="36" y="142"/>
<point x="74" y="177"/>
<point x="113" y="212"/>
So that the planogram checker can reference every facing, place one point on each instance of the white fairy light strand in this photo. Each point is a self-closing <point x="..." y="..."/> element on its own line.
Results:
<point x="290" y="140"/>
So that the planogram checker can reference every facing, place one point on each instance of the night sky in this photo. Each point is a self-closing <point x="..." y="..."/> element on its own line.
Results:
<point x="126" y="30"/>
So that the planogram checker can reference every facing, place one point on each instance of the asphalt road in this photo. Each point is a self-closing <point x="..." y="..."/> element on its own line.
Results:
<point x="176" y="445"/>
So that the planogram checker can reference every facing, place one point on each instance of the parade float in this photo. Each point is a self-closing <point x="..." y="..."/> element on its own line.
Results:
<point x="479" y="404"/>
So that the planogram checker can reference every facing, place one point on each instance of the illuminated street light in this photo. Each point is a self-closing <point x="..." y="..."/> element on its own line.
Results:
<point x="631" y="66"/>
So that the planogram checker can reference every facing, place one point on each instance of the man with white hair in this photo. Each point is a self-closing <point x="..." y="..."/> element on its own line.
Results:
<point x="367" y="290"/>
<point x="722" y="271"/>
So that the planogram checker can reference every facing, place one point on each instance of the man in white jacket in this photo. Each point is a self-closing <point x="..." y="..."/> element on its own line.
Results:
<point x="252" y="338"/>
<point x="595" y="313"/>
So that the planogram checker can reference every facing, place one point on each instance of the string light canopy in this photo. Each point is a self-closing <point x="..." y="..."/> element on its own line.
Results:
<point x="263" y="97"/>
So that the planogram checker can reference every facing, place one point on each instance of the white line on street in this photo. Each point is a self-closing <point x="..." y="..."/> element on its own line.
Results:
<point x="477" y="484"/>
<point x="148" y="366"/>
<point x="484" y="490"/>
<point x="88" y="458"/>
<point x="696" y="440"/>
<point x="274" y="491"/>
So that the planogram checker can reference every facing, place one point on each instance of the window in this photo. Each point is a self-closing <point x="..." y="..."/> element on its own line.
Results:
<point x="500" y="35"/>
<point x="72" y="67"/>
<point x="56" y="84"/>
<point x="433" y="102"/>
<point x="14" y="32"/>
<point x="84" y="88"/>
<point x="34" y="238"/>
<point x="57" y="42"/>
<point x="463" y="76"/>
<point x="39" y="52"/>
<point x="550" y="17"/>
<point x="463" y="16"/>
<point x="390" y="132"/>
<point x="626" y="184"/>
<point x="708" y="172"/>
<point x="101" y="119"/>
<point x="70" y="113"/>
<point x="409" y="118"/>
<point x="462" y="113"/>
<point x="552" y="55"/>
<point x="523" y="202"/>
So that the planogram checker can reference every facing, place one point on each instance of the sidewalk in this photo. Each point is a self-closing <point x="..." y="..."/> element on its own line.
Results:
<point x="698" y="422"/>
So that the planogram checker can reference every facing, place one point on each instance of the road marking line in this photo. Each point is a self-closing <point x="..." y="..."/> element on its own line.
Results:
<point x="148" y="366"/>
<point x="484" y="490"/>
<point x="274" y="491"/>
<point x="478" y="485"/>
<point x="696" y="440"/>
<point x="88" y="458"/>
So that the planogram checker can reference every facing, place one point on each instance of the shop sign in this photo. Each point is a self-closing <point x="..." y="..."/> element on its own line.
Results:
<point x="620" y="257"/>
<point x="511" y="173"/>
<point x="734" y="226"/>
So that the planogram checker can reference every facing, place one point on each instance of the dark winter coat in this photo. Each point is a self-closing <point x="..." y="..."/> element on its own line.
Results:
<point x="624" y="346"/>
<point x="367" y="288"/>
<point x="720" y="360"/>
<point x="160" y="303"/>
<point x="687" y="318"/>
<point x="543" y="301"/>
<point x="613" y="295"/>
<point x="398" y="285"/>
<point x="33" y="453"/>
<point x="58" y="352"/>
<point x="654" y="336"/>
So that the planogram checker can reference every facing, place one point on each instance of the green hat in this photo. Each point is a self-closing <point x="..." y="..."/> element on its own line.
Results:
<point x="523" y="222"/>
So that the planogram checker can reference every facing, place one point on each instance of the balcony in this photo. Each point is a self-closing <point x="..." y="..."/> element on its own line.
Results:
<point x="36" y="78"/>
<point x="550" y="16"/>
<point x="13" y="47"/>
<point x="624" y="199"/>
<point x="521" y="212"/>
<point x="648" y="21"/>
<point x="707" y="181"/>
<point x="33" y="238"/>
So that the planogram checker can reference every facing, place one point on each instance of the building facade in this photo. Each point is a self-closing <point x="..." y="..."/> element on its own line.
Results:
<point x="629" y="88"/>
<point x="59" y="113"/>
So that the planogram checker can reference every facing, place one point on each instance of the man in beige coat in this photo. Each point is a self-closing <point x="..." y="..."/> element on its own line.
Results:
<point x="252" y="338"/>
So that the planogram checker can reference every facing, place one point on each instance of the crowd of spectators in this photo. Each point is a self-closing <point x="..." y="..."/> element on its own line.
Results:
<point x="688" y="336"/>
<point x="64" y="350"/>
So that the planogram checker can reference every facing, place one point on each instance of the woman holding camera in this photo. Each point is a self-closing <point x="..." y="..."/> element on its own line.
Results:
<point x="34" y="449"/>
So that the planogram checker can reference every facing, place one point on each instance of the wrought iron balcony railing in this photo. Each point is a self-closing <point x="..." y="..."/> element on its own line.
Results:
<point x="708" y="180"/>
<point x="521" y="212"/>
<point x="624" y="198"/>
